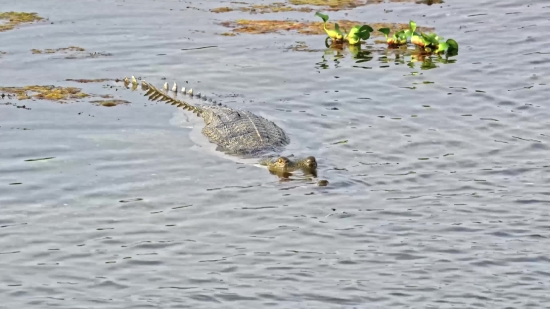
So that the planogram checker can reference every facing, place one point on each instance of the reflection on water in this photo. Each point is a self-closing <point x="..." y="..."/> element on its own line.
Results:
<point x="414" y="58"/>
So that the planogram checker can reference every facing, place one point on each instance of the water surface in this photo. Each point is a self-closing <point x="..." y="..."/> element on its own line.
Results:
<point x="438" y="199"/>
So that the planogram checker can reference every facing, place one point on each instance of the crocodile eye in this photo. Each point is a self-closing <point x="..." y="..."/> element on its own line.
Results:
<point x="311" y="162"/>
<point x="282" y="161"/>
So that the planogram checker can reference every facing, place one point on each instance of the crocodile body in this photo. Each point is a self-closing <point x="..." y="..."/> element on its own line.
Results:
<point x="236" y="132"/>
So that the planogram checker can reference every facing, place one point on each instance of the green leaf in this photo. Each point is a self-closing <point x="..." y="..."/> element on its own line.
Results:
<point x="385" y="31"/>
<point x="400" y="36"/>
<point x="364" y="35"/>
<point x="452" y="44"/>
<point x="353" y="31"/>
<point x="363" y="32"/>
<point x="365" y="28"/>
<point x="431" y="38"/>
<point x="442" y="47"/>
<point x="323" y="16"/>
<point x="412" y="26"/>
<point x="337" y="29"/>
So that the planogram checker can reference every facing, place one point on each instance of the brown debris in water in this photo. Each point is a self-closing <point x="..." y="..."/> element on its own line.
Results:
<point x="308" y="28"/>
<point x="51" y="93"/>
<point x="2" y="53"/>
<point x="302" y="46"/>
<point x="76" y="52"/>
<point x="276" y="7"/>
<point x="336" y="5"/>
<point x="17" y="18"/>
<point x="224" y="9"/>
<point x="53" y="51"/>
<point x="83" y="81"/>
<point x="110" y="103"/>
<point x="331" y="5"/>
<point x="427" y="2"/>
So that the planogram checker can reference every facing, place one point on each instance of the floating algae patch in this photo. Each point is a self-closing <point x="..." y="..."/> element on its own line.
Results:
<point x="85" y="81"/>
<point x="308" y="28"/>
<point x="276" y="7"/>
<point x="58" y="50"/>
<point x="49" y="92"/>
<point x="302" y="46"/>
<point x="224" y="9"/>
<point x="74" y="52"/>
<point x="109" y="103"/>
<point x="17" y="18"/>
<point x="88" y="55"/>
<point x="427" y="2"/>
<point x="331" y="5"/>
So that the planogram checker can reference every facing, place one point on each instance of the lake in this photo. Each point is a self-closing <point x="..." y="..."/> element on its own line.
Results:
<point x="437" y="168"/>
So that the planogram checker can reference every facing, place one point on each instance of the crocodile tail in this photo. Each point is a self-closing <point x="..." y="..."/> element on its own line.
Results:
<point x="155" y="94"/>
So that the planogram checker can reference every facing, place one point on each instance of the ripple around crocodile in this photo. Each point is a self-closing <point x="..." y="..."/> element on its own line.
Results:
<point x="236" y="132"/>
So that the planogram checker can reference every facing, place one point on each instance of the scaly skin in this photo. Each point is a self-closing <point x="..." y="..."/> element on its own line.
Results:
<point x="285" y="165"/>
<point x="235" y="130"/>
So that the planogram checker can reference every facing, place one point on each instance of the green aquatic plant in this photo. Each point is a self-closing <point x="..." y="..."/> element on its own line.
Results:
<point x="48" y="92"/>
<point x="430" y="42"/>
<point x="355" y="35"/>
<point x="15" y="19"/>
<point x="336" y="34"/>
<point x="398" y="38"/>
<point x="358" y="33"/>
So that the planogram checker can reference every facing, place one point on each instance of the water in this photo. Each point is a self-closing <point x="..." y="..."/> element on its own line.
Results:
<point x="438" y="199"/>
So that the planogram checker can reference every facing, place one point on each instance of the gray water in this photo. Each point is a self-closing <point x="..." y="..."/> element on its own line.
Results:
<point x="438" y="199"/>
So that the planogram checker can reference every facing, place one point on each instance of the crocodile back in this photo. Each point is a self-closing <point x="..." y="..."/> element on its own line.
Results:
<point x="241" y="132"/>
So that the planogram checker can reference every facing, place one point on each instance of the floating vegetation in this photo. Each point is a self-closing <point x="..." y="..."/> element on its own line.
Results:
<point x="110" y="103"/>
<point x="332" y="5"/>
<point x="301" y="46"/>
<point x="308" y="28"/>
<point x="427" y="2"/>
<point x="50" y="92"/>
<point x="89" y="55"/>
<point x="355" y="35"/>
<point x="53" y="51"/>
<point x="75" y="52"/>
<point x="17" y="18"/>
<point x="276" y="7"/>
<point x="224" y="9"/>
<point x="428" y="42"/>
<point x="85" y="81"/>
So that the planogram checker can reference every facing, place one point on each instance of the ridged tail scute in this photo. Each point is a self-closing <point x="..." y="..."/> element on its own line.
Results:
<point x="155" y="94"/>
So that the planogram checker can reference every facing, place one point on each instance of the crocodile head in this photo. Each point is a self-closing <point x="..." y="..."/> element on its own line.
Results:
<point x="284" y="164"/>
<point x="308" y="163"/>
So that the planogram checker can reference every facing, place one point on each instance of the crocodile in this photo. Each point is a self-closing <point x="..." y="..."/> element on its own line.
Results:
<point x="235" y="132"/>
